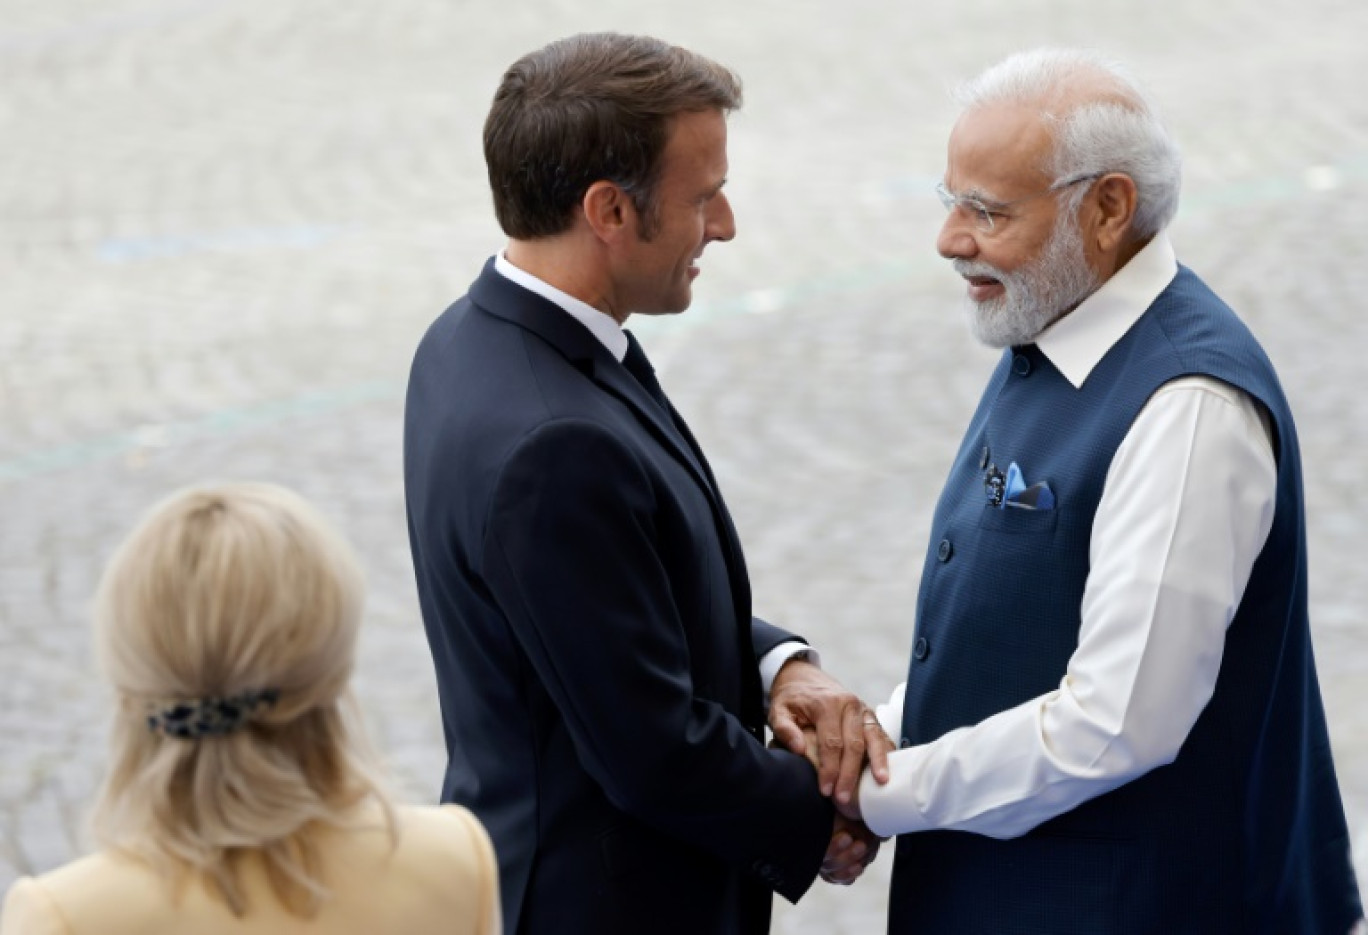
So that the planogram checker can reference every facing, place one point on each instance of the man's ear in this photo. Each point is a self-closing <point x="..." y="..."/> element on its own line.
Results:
<point x="608" y="211"/>
<point x="1115" y="197"/>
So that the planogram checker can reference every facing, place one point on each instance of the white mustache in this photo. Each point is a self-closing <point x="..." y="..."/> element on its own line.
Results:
<point x="968" y="268"/>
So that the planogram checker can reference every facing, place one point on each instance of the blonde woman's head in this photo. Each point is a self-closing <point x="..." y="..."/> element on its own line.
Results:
<point x="236" y="598"/>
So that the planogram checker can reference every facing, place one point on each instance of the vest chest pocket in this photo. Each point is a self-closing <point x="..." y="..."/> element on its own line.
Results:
<point x="1013" y="519"/>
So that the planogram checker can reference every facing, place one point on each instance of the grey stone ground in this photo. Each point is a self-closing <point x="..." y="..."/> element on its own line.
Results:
<point x="225" y="223"/>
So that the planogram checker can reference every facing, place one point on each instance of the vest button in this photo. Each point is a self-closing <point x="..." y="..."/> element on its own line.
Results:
<point x="983" y="458"/>
<point x="945" y="550"/>
<point x="905" y="743"/>
<point x="1022" y="364"/>
<point x="921" y="649"/>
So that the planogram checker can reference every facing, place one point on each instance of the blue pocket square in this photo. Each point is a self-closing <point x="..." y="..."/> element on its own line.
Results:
<point x="1016" y="493"/>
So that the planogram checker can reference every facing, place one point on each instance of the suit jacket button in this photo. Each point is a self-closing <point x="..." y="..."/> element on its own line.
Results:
<point x="944" y="551"/>
<point x="905" y="742"/>
<point x="922" y="649"/>
<point x="1022" y="365"/>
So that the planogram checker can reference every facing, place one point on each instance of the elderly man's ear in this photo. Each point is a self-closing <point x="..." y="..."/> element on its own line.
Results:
<point x="1106" y="219"/>
<point x="1113" y="201"/>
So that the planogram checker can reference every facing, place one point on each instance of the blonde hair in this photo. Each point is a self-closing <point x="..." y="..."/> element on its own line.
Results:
<point x="219" y="592"/>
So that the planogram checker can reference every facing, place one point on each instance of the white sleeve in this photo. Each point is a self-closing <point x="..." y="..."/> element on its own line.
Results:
<point x="1186" y="508"/>
<point x="890" y="714"/>
<point x="772" y="661"/>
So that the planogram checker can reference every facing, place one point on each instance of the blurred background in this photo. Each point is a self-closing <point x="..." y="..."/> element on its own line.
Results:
<point x="224" y="225"/>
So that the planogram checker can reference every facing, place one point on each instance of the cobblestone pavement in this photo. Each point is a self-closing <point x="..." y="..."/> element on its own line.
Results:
<point x="225" y="223"/>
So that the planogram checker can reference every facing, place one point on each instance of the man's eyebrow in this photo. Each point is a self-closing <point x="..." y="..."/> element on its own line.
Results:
<point x="978" y="194"/>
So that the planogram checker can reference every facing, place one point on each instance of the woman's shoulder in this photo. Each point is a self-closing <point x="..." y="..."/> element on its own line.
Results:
<point x="57" y="900"/>
<point x="30" y="908"/>
<point x="442" y="864"/>
<point x="445" y="829"/>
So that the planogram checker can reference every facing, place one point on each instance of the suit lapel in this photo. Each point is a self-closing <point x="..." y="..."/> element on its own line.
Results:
<point x="505" y="299"/>
<point x="499" y="296"/>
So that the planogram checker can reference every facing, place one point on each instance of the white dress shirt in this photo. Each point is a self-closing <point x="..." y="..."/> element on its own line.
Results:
<point x="610" y="334"/>
<point x="600" y="324"/>
<point x="1186" y="507"/>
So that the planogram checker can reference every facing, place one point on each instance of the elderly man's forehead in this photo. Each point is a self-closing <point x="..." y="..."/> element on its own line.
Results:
<point x="1005" y="137"/>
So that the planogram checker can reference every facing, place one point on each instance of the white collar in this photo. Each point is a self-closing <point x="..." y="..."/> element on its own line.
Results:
<point x="600" y="324"/>
<point x="1078" y="341"/>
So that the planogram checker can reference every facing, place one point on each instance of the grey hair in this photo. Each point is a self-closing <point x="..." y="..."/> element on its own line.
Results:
<point x="1104" y="122"/>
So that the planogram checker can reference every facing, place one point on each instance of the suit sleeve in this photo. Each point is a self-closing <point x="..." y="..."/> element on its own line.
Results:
<point x="571" y="556"/>
<point x="765" y="636"/>
<point x="30" y="911"/>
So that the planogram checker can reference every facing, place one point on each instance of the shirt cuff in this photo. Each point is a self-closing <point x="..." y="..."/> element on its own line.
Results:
<point x="883" y="808"/>
<point x="774" y="660"/>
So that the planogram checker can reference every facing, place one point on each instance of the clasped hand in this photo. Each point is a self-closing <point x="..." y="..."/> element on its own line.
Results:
<point x="812" y="715"/>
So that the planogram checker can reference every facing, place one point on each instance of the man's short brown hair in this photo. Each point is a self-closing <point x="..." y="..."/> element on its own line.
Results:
<point x="595" y="106"/>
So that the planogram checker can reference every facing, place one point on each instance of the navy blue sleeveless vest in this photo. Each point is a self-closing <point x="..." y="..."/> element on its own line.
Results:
<point x="1245" y="831"/>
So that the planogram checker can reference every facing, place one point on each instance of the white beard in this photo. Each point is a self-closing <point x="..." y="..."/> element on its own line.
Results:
<point x="1035" y="295"/>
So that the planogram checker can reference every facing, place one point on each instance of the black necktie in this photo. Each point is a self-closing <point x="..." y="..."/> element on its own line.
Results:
<point x="638" y="366"/>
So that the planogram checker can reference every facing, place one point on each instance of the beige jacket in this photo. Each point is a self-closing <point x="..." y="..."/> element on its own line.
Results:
<point x="442" y="877"/>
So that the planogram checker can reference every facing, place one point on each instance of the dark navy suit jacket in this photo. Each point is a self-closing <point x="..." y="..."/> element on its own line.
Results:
<point x="588" y="610"/>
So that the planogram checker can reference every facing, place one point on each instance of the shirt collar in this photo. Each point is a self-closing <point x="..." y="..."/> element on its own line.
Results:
<point x="1077" y="342"/>
<point x="600" y="324"/>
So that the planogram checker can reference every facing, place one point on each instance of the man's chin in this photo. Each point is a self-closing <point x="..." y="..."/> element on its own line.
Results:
<point x="672" y="305"/>
<point x="989" y="325"/>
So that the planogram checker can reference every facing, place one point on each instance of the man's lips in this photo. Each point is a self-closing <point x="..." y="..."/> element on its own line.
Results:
<point x="982" y="288"/>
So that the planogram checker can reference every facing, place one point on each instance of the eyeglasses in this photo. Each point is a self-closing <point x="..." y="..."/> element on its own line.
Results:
<point x="984" y="213"/>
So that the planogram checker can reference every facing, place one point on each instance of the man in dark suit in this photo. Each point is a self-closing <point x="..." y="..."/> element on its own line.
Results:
<point x="601" y="677"/>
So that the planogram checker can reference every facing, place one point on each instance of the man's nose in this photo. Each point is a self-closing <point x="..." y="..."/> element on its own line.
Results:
<point x="722" y="222"/>
<point x="956" y="239"/>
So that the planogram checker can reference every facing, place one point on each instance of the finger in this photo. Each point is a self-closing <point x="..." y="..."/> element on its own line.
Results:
<point x="840" y="842"/>
<point x="830" y="747"/>
<point x="810" y="750"/>
<point x="838" y="852"/>
<point x="840" y="864"/>
<point x="846" y="850"/>
<point x="879" y="745"/>
<point x="853" y="753"/>
<point x="845" y="876"/>
<point x="787" y="731"/>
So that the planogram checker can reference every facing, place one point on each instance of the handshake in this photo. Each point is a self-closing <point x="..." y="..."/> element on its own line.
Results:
<point x="812" y="715"/>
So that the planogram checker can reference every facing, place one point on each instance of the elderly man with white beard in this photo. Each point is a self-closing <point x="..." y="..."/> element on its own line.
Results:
<point x="1111" y="721"/>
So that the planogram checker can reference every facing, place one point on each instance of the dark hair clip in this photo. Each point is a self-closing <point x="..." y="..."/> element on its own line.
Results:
<point x="193" y="718"/>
